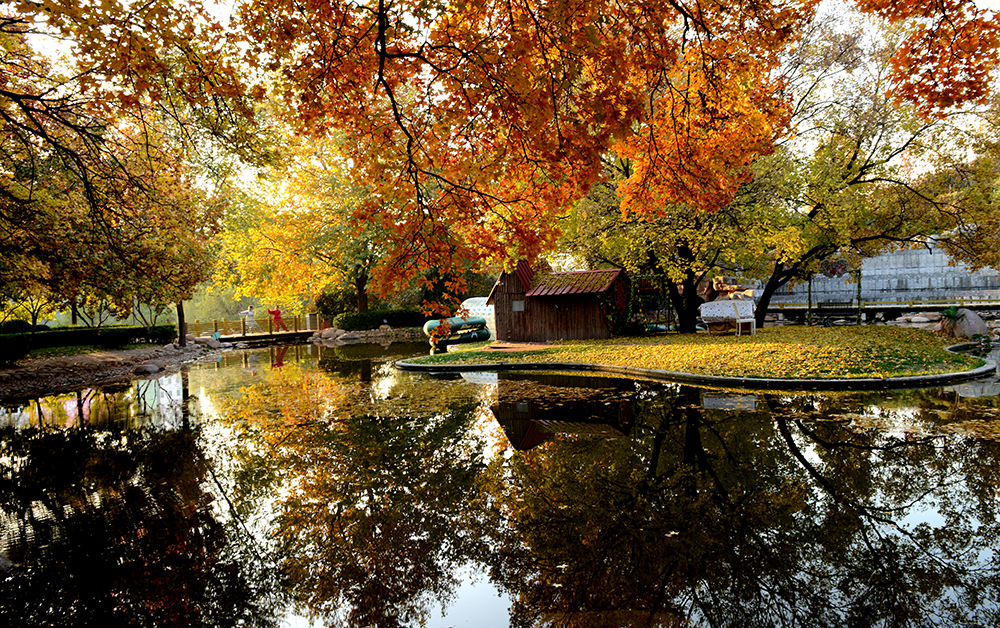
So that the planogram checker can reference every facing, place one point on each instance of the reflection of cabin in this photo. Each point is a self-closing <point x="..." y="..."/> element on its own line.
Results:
<point x="529" y="421"/>
<point x="538" y="306"/>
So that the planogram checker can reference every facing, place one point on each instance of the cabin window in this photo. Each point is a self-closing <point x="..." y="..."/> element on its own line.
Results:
<point x="517" y="306"/>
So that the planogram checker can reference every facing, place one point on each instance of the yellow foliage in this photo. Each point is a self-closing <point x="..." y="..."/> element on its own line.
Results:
<point x="793" y="352"/>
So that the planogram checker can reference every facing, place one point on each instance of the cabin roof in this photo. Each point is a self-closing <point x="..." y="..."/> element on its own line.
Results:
<point x="545" y="284"/>
<point x="573" y="282"/>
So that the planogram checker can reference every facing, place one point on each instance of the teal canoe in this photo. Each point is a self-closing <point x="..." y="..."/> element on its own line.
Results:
<point x="478" y="335"/>
<point x="457" y="325"/>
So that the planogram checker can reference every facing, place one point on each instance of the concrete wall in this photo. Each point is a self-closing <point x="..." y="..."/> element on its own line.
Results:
<point x="911" y="275"/>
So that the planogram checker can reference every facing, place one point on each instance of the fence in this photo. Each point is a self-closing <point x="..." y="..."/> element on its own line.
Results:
<point x="912" y="304"/>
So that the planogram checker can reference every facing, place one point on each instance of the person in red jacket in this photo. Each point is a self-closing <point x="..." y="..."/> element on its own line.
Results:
<point x="279" y="325"/>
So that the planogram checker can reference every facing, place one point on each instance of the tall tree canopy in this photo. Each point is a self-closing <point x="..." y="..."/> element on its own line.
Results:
<point x="474" y="122"/>
<point x="471" y="125"/>
<point x="845" y="176"/>
<point x="104" y="110"/>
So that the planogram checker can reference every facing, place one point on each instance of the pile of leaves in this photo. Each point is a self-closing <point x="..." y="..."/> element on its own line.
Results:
<point x="794" y="352"/>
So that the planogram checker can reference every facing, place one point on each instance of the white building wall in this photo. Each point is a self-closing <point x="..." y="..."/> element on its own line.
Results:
<point x="910" y="275"/>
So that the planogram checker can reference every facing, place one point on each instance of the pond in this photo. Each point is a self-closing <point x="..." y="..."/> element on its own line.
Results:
<point x="295" y="486"/>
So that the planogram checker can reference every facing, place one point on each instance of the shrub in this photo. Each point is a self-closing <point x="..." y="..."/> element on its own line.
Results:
<point x="356" y="321"/>
<point x="161" y="334"/>
<point x="330" y="303"/>
<point x="114" y="337"/>
<point x="17" y="326"/>
<point x="13" y="347"/>
<point x="106" y="337"/>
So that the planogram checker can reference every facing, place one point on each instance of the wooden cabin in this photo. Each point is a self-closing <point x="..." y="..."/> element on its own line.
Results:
<point x="540" y="306"/>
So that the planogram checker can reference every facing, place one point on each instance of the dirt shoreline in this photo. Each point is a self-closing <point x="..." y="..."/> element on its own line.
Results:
<point x="32" y="378"/>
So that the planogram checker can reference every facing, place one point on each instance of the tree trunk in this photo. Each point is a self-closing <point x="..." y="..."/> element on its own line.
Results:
<point x="361" y="286"/>
<point x="686" y="301"/>
<point x="780" y="276"/>
<point x="181" y="325"/>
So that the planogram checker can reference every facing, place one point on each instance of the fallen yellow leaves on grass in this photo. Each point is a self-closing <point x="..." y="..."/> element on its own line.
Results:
<point x="792" y="352"/>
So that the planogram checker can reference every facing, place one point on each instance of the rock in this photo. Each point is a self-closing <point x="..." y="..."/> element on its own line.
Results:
<point x="384" y="328"/>
<point x="331" y="333"/>
<point x="919" y="319"/>
<point x="213" y="343"/>
<point x="202" y="339"/>
<point x="191" y="337"/>
<point x="968" y="324"/>
<point x="6" y="565"/>
<point x="147" y="368"/>
<point x="348" y="337"/>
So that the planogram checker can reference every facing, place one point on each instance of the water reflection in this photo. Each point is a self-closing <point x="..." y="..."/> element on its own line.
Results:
<point x="358" y="495"/>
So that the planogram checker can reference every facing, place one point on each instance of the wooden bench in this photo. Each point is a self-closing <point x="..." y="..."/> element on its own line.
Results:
<point x="726" y="313"/>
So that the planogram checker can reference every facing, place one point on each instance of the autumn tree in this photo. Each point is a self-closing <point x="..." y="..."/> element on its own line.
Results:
<point x="964" y="189"/>
<point x="469" y="125"/>
<point x="97" y="186"/>
<point x="852" y="180"/>
<point x="477" y="123"/>
<point x="845" y="178"/>
<point x="292" y="232"/>
<point x="681" y="244"/>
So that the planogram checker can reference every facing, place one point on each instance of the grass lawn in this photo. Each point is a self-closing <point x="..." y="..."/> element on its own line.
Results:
<point x="792" y="352"/>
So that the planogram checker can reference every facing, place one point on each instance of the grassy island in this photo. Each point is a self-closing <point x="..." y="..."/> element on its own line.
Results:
<point x="791" y="352"/>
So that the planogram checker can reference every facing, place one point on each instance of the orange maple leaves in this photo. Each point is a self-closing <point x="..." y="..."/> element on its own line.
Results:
<point x="949" y="54"/>
<point x="705" y="129"/>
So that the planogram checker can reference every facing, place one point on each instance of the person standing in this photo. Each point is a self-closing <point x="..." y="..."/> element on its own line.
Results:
<point x="279" y="325"/>
<point x="250" y="320"/>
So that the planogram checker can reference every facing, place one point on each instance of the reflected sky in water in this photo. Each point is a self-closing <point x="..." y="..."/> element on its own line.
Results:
<point x="307" y="486"/>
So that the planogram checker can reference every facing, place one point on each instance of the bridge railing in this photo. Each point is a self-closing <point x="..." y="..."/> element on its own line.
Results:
<point x="238" y="327"/>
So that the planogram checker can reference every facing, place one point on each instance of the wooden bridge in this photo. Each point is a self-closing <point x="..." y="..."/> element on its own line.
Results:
<point x="299" y="327"/>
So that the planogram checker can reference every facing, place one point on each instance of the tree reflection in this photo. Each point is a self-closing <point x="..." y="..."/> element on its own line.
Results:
<point x="377" y="490"/>
<point x="115" y="528"/>
<point x="784" y="515"/>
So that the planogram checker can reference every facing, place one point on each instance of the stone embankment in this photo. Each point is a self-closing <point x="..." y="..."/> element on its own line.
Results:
<point x="965" y="324"/>
<point x="46" y="376"/>
<point x="333" y="337"/>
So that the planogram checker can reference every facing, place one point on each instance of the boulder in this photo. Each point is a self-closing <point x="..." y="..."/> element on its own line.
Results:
<point x="968" y="324"/>
<point x="919" y="319"/>
<point x="331" y="333"/>
<point x="349" y="337"/>
<point x="147" y="368"/>
<point x="6" y="565"/>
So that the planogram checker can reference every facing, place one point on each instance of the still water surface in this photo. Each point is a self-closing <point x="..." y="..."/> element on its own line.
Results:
<point x="293" y="485"/>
